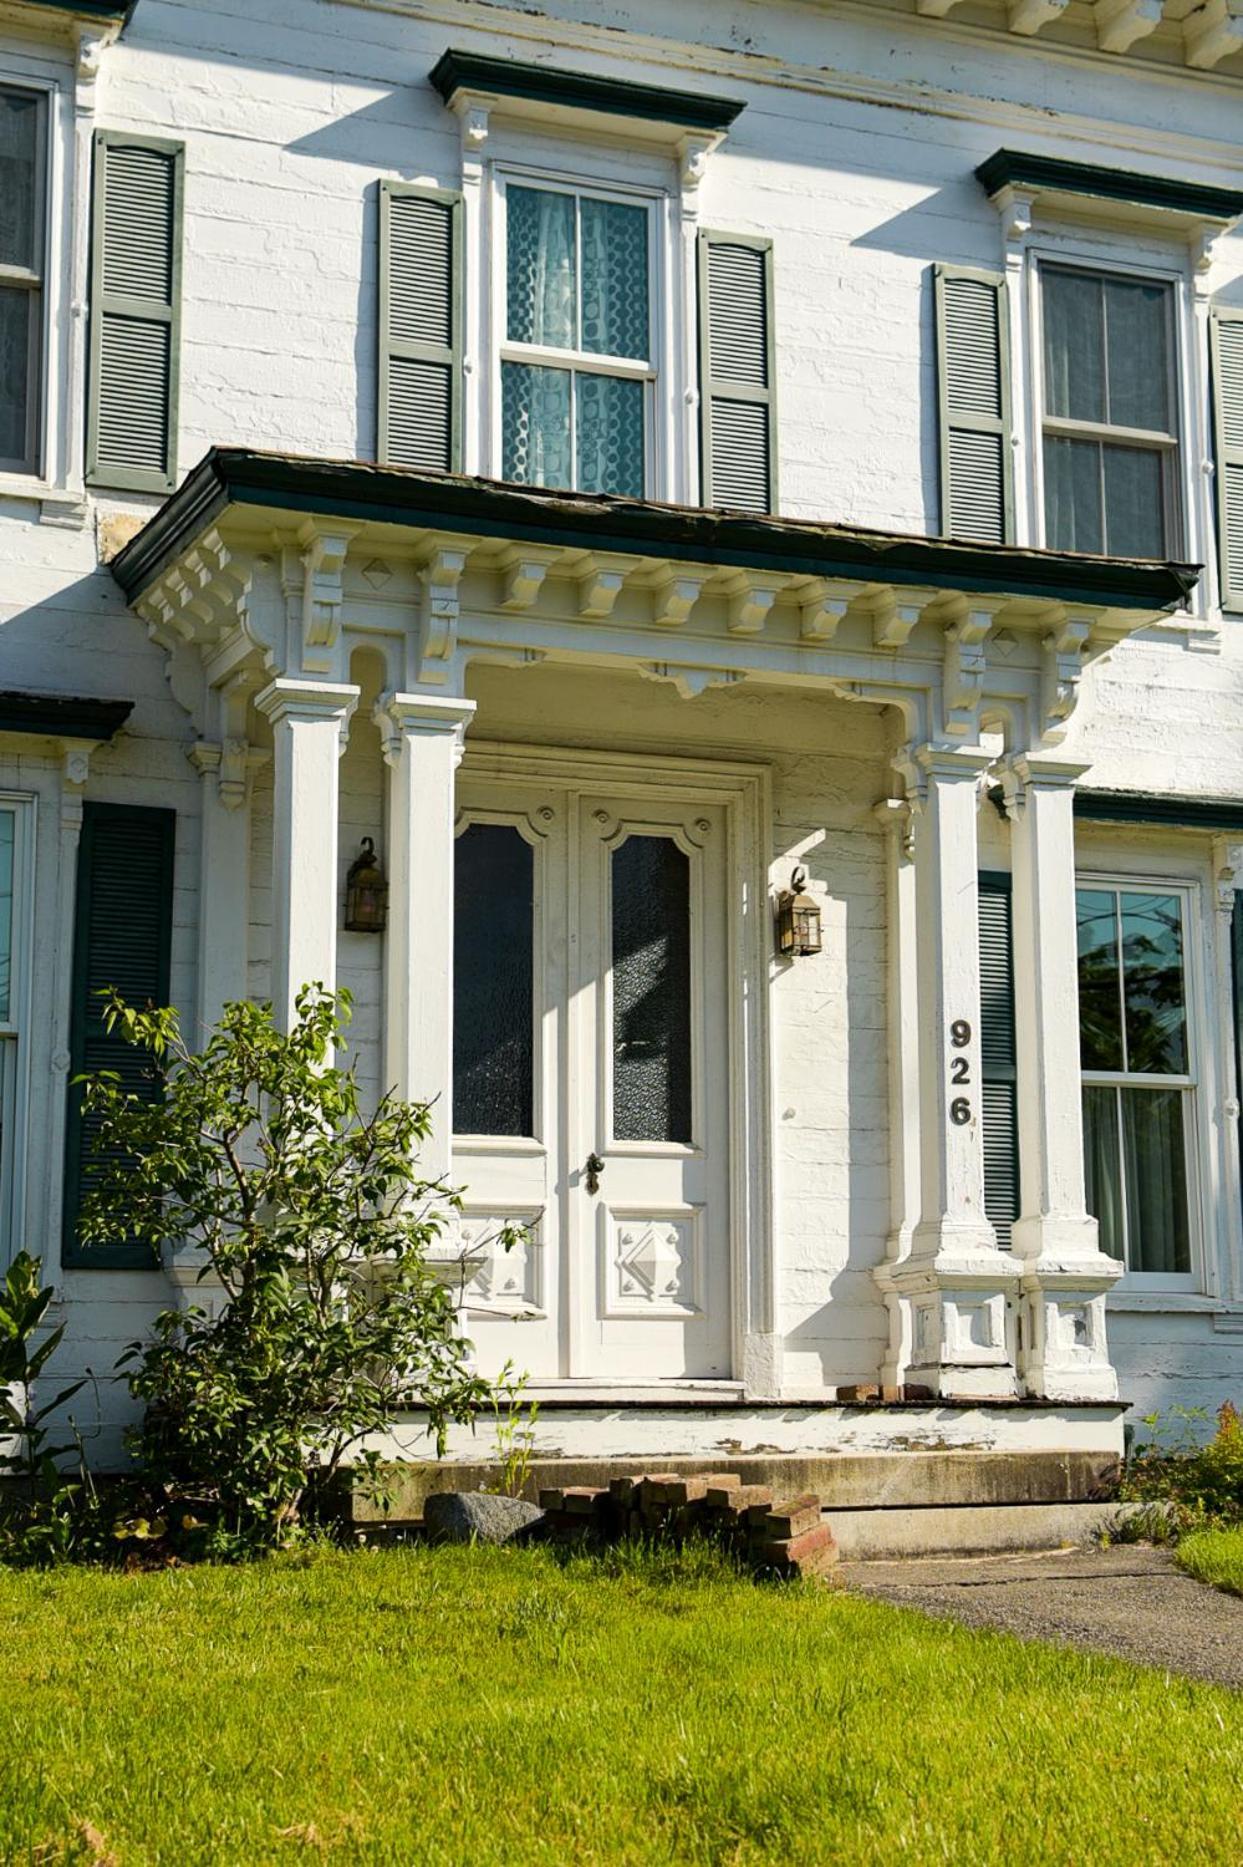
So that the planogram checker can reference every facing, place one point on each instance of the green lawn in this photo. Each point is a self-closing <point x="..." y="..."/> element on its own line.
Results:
<point x="1214" y="1556"/>
<point x="477" y="1706"/>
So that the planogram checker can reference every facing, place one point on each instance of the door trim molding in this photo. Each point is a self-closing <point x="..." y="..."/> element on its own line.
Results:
<point x="744" y="791"/>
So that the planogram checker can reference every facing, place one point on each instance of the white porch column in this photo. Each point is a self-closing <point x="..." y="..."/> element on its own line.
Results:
<point x="902" y="985"/>
<point x="309" y="719"/>
<point x="423" y="736"/>
<point x="956" y="1288"/>
<point x="1062" y="1348"/>
<point x="224" y="877"/>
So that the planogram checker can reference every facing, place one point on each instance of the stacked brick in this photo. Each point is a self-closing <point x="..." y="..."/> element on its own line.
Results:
<point x="787" y="1540"/>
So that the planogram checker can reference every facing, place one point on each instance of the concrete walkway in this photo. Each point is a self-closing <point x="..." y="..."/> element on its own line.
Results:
<point x="1131" y="1602"/>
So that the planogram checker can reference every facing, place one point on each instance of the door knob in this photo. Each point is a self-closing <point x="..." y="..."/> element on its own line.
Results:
<point x="594" y="1168"/>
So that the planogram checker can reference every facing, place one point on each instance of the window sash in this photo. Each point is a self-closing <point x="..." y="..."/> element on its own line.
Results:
<point x="32" y="279"/>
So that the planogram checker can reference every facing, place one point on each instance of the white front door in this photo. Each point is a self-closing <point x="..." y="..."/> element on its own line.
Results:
<point x="592" y="1058"/>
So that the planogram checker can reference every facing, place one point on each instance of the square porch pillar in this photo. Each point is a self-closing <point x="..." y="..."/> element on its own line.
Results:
<point x="423" y="738"/>
<point x="952" y="1296"/>
<point x="309" y="720"/>
<point x="1062" y="1347"/>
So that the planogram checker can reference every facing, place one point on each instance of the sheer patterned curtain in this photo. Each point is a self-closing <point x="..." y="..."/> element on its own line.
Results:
<point x="542" y="282"/>
<point x="615" y="290"/>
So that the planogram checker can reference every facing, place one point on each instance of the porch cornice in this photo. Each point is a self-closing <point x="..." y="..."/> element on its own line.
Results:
<point x="362" y="493"/>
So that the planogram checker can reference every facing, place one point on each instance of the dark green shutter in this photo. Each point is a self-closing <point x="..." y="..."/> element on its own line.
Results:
<point x="1237" y="970"/>
<point x="999" y="1094"/>
<point x="122" y="933"/>
<point x="737" y="369"/>
<point x="420" y="399"/>
<point x="131" y="422"/>
<point x="1227" y="344"/>
<point x="973" y="395"/>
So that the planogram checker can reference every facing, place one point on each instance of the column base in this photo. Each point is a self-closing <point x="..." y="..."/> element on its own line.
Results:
<point x="1063" y="1348"/>
<point x="952" y="1321"/>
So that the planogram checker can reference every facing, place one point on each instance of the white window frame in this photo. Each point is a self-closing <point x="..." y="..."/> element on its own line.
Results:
<point x="33" y="280"/>
<point x="1193" y="1083"/>
<point x="55" y="475"/>
<point x="15" y="1032"/>
<point x="1135" y="252"/>
<point x="646" y="370"/>
<point x="1167" y="444"/>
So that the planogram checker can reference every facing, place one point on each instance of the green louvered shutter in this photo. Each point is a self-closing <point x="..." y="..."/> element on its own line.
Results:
<point x="420" y="402"/>
<point x="1227" y="337"/>
<point x="122" y="932"/>
<point x="131" y="423"/>
<point x="738" y="397"/>
<point x="973" y="391"/>
<point x="999" y="1095"/>
<point x="1237" y="972"/>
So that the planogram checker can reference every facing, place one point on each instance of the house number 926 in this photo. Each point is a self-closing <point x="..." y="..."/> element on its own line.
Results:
<point x="960" y="1072"/>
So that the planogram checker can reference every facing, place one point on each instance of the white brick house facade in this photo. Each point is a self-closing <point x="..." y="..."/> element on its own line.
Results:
<point x="903" y="466"/>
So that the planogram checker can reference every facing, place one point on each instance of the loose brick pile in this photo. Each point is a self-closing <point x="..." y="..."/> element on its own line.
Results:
<point x="787" y="1540"/>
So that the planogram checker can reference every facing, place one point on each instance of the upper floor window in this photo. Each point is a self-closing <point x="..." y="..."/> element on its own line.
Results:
<point x="576" y="361"/>
<point x="1110" y="414"/>
<point x="23" y="140"/>
<point x="1138" y="1074"/>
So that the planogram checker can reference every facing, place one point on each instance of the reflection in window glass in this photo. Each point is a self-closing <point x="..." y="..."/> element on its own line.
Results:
<point x="493" y="947"/>
<point x="1133" y="1024"/>
<point x="651" y="991"/>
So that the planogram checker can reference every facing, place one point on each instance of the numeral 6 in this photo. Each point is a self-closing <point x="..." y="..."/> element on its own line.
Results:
<point x="960" y="1111"/>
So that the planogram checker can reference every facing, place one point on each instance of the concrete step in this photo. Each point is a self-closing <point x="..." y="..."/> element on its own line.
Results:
<point x="970" y="1529"/>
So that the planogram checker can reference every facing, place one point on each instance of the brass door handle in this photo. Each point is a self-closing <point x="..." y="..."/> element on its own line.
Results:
<point x="594" y="1168"/>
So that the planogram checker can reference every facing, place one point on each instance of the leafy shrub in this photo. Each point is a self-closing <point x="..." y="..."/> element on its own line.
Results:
<point x="316" y="1225"/>
<point x="1195" y="1484"/>
<point x="49" y="1514"/>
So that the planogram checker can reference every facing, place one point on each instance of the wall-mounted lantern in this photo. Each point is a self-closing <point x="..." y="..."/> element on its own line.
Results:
<point x="798" y="919"/>
<point x="366" y="893"/>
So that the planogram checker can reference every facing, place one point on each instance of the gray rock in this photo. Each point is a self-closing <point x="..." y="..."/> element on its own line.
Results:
<point x="478" y="1516"/>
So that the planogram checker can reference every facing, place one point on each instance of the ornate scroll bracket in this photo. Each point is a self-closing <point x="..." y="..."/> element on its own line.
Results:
<point x="964" y="669"/>
<point x="1062" y="653"/>
<point x="440" y="607"/>
<point x="313" y="587"/>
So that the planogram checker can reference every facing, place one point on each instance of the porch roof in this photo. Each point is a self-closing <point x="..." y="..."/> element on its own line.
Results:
<point x="360" y="491"/>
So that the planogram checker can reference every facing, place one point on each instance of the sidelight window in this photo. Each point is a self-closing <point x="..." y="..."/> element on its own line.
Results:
<point x="1138" y="1077"/>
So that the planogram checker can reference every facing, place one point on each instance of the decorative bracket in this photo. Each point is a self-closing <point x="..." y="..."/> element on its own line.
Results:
<point x="440" y="574"/>
<point x="1213" y="32"/>
<point x="674" y="596"/>
<point x="750" y="601"/>
<point x="894" y="619"/>
<point x="1061" y="670"/>
<point x="693" y="153"/>
<point x="599" y="584"/>
<point x="522" y="577"/>
<point x="313" y="578"/>
<point x="964" y="668"/>
<point x="1227" y="875"/>
<point x="822" y="606"/>
<point x="1121" y="23"/>
<point x="897" y="818"/>
<point x="1028" y="17"/>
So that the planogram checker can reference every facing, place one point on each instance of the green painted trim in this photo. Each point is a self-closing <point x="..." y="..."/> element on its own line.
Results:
<point x="1229" y="575"/>
<point x="1017" y="168"/>
<point x="709" y="389"/>
<point x="946" y="421"/>
<point x="85" y="9"/>
<point x="458" y="71"/>
<point x="151" y="311"/>
<point x="62" y="716"/>
<point x="1182" y="813"/>
<point x="117" y="1257"/>
<point x="450" y="355"/>
<point x="589" y="521"/>
<point x="998" y="883"/>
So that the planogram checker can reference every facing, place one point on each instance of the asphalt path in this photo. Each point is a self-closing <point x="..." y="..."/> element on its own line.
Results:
<point x="1130" y="1601"/>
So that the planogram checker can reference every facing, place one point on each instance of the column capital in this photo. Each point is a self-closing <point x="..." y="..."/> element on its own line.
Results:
<point x="1023" y="772"/>
<point x="289" y="698"/>
<point x="402" y="716"/>
<point x="950" y="761"/>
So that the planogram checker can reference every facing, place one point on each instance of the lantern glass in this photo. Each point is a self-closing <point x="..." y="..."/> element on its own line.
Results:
<point x="366" y="893"/>
<point x="798" y="921"/>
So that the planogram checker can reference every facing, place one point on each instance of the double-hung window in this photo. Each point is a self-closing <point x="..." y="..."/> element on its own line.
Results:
<point x="1110" y="414"/>
<point x="577" y="376"/>
<point x="1138" y="1076"/>
<point x="23" y="152"/>
<point x="14" y="897"/>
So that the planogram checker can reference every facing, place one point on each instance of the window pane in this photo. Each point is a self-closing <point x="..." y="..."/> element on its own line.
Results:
<point x="1152" y="957"/>
<point x="541" y="267"/>
<point x="1134" y="502"/>
<point x="610" y="435"/>
<point x="651" y="991"/>
<point x="1104" y="1168"/>
<point x="1100" y="1002"/>
<point x="615" y="292"/>
<point x="15" y="360"/>
<point x="493" y="946"/>
<point x="1136" y="342"/>
<point x="535" y="422"/>
<point x="8" y="828"/>
<point x="1072" y="495"/>
<point x="1074" y="347"/>
<point x="19" y="174"/>
<point x="1156" y="1180"/>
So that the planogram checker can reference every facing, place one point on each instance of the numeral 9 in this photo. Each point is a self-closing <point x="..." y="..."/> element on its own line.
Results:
<point x="960" y="1033"/>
